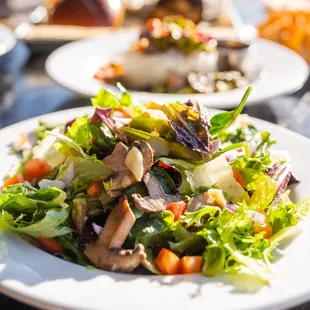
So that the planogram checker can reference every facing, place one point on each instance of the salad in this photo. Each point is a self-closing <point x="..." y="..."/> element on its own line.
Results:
<point x="183" y="60"/>
<point x="150" y="188"/>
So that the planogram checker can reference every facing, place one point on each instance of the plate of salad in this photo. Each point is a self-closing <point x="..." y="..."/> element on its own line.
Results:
<point x="147" y="205"/>
<point x="173" y="60"/>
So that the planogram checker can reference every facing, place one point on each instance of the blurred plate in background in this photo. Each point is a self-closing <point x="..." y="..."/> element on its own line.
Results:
<point x="74" y="65"/>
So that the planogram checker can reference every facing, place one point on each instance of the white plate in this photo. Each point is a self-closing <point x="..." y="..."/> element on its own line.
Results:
<point x="35" y="277"/>
<point x="74" y="65"/>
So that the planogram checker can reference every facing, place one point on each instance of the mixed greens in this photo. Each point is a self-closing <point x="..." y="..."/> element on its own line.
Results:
<point x="164" y="187"/>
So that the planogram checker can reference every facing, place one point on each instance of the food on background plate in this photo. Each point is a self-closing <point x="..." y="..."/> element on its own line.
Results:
<point x="290" y="28"/>
<point x="166" y="189"/>
<point x="171" y="56"/>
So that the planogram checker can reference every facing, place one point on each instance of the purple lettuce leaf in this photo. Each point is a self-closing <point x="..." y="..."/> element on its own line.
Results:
<point x="281" y="173"/>
<point x="191" y="127"/>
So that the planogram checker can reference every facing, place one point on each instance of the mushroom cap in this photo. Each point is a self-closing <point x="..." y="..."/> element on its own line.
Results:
<point x="116" y="161"/>
<point x="124" y="177"/>
<point x="106" y="253"/>
<point x="147" y="152"/>
<point x="153" y="204"/>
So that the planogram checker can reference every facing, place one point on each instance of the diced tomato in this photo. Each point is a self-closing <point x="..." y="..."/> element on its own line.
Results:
<point x="191" y="264"/>
<point x="153" y="23"/>
<point x="36" y="168"/>
<point x="168" y="262"/>
<point x="15" y="179"/>
<point x="153" y="106"/>
<point x="265" y="227"/>
<point x="94" y="189"/>
<point x="51" y="245"/>
<point x="238" y="177"/>
<point x="177" y="208"/>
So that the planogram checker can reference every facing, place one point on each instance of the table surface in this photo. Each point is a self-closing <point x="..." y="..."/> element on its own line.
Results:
<point x="34" y="93"/>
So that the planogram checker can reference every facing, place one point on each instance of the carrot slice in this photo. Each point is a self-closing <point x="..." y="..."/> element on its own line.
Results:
<point x="168" y="262"/>
<point x="191" y="264"/>
<point x="238" y="176"/>
<point x="94" y="189"/>
<point x="51" y="245"/>
<point x="265" y="227"/>
<point x="15" y="179"/>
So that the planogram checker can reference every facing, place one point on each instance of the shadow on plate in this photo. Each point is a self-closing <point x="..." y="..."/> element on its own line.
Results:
<point x="31" y="266"/>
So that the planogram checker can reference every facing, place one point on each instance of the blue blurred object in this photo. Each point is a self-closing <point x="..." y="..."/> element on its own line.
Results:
<point x="10" y="64"/>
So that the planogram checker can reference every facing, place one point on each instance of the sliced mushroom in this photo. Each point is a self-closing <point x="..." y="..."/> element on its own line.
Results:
<point x="116" y="161"/>
<point x="129" y="177"/>
<point x="120" y="181"/>
<point x="153" y="204"/>
<point x="147" y="152"/>
<point x="134" y="162"/>
<point x="157" y="200"/>
<point x="106" y="253"/>
<point x="153" y="186"/>
<point x="79" y="214"/>
<point x="213" y="197"/>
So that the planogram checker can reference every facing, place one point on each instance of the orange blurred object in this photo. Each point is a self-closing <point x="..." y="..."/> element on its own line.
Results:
<point x="191" y="264"/>
<point x="109" y="73"/>
<point x="238" y="176"/>
<point x="264" y="227"/>
<point x="36" y="168"/>
<point x="85" y="13"/>
<point x="291" y="29"/>
<point x="94" y="189"/>
<point x="51" y="245"/>
<point x="168" y="262"/>
<point x="177" y="208"/>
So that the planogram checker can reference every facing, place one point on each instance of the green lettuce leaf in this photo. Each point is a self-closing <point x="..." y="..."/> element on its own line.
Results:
<point x="86" y="171"/>
<point x="151" y="124"/>
<point x="153" y="229"/>
<point x="51" y="225"/>
<point x="107" y="99"/>
<point x="69" y="243"/>
<point x="164" y="179"/>
<point x="26" y="199"/>
<point x="286" y="213"/>
<point x="256" y="266"/>
<point x="215" y="258"/>
<point x="223" y="120"/>
<point x="186" y="242"/>
<point x="182" y="166"/>
<point x="67" y="146"/>
<point x="264" y="193"/>
<point x="254" y="167"/>
<point x="242" y="134"/>
<point x="95" y="138"/>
